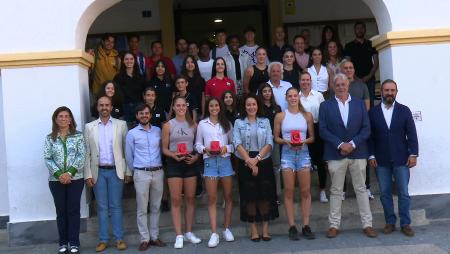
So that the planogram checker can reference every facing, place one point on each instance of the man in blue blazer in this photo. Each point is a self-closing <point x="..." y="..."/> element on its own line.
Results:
<point x="344" y="127"/>
<point x="394" y="149"/>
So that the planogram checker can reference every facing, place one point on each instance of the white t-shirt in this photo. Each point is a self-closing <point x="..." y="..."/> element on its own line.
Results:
<point x="250" y="51"/>
<point x="205" y="68"/>
<point x="220" y="52"/>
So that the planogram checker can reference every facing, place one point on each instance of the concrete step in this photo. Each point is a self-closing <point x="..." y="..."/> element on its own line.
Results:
<point x="318" y="221"/>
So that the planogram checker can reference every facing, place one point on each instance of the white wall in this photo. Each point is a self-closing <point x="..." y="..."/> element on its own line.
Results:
<point x="126" y="16"/>
<point x="322" y="10"/>
<point x="424" y="88"/>
<point x="30" y="95"/>
<point x="4" y="201"/>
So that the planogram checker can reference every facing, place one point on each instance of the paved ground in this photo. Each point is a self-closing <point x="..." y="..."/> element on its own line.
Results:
<point x="429" y="239"/>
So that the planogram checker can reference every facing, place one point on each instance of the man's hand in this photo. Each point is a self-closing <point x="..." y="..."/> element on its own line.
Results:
<point x="412" y="161"/>
<point x="373" y="163"/>
<point x="90" y="182"/>
<point x="346" y="149"/>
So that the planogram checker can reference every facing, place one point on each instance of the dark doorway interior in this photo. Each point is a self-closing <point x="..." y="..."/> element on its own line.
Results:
<point x="198" y="24"/>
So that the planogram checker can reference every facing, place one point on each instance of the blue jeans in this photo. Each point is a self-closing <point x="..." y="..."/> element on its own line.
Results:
<point x="401" y="178"/>
<point x="108" y="194"/>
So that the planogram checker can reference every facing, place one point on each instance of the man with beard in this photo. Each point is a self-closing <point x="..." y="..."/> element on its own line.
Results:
<point x="394" y="149"/>
<point x="106" y="171"/>
<point x="143" y="156"/>
<point x="364" y="57"/>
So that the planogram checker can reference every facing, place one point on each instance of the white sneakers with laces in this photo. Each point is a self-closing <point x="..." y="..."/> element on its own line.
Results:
<point x="189" y="236"/>
<point x="213" y="241"/>
<point x="227" y="235"/>
<point x="178" y="242"/>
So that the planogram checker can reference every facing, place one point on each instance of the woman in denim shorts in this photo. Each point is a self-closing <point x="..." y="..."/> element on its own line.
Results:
<point x="295" y="160"/>
<point x="214" y="137"/>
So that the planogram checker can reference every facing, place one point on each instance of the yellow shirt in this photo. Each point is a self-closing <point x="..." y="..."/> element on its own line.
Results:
<point x="106" y="67"/>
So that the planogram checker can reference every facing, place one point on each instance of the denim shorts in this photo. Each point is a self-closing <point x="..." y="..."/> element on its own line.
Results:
<point x="217" y="166"/>
<point x="295" y="159"/>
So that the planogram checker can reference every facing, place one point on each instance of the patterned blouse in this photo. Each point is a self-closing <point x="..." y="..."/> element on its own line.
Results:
<point x="63" y="156"/>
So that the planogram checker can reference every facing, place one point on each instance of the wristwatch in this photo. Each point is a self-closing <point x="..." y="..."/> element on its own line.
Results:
<point x="258" y="157"/>
<point x="69" y="173"/>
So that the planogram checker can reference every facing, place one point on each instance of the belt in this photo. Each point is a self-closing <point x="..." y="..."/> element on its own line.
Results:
<point x="149" y="168"/>
<point x="107" y="167"/>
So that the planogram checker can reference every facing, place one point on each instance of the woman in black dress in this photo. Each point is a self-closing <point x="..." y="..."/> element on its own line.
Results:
<point x="253" y="141"/>
<point x="291" y="70"/>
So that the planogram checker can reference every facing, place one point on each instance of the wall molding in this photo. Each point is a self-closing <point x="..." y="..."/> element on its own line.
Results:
<point x="48" y="58"/>
<point x="411" y="37"/>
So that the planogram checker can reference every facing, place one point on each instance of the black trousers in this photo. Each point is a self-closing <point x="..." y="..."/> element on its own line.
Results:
<point x="67" y="202"/>
<point x="316" y="154"/>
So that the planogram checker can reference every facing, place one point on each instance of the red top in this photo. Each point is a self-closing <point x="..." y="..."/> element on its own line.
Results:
<point x="150" y="63"/>
<point x="215" y="87"/>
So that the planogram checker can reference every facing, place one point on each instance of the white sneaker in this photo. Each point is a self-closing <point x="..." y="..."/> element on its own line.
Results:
<point x="228" y="235"/>
<point x="192" y="238"/>
<point x="323" y="197"/>
<point x="369" y="193"/>
<point x="213" y="241"/>
<point x="343" y="196"/>
<point x="178" y="242"/>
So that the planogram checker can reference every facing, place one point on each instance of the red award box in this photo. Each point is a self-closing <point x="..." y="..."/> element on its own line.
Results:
<point x="182" y="148"/>
<point x="296" y="137"/>
<point x="214" y="147"/>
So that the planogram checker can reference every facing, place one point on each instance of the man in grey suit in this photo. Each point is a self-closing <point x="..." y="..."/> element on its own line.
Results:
<point x="345" y="128"/>
<point x="106" y="170"/>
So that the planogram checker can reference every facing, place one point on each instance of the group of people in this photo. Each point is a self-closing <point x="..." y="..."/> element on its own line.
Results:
<point x="291" y="119"/>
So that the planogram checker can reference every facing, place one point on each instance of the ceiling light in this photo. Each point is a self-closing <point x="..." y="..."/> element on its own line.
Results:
<point x="218" y="20"/>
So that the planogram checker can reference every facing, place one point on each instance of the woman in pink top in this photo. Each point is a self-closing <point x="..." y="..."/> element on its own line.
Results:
<point x="219" y="82"/>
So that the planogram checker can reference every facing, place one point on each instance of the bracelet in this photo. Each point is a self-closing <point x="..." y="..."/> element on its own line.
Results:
<point x="258" y="157"/>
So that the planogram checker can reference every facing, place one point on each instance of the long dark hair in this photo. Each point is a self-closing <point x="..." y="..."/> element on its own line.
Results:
<point x="334" y="36"/>
<point x="311" y="63"/>
<point x="188" y="116"/>
<point x="223" y="121"/>
<point x="326" y="56"/>
<point x="260" y="96"/>
<point x="259" y="113"/>
<point x="55" y="127"/>
<point x="166" y="76"/>
<point x="214" y="72"/>
<point x="184" y="71"/>
<point x="123" y="69"/>
<point x="234" y="99"/>
<point x="295" y="66"/>
<point x="117" y="99"/>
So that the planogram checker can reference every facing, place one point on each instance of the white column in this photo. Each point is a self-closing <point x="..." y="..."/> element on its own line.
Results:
<point x="421" y="72"/>
<point x="30" y="96"/>
<point x="4" y="204"/>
